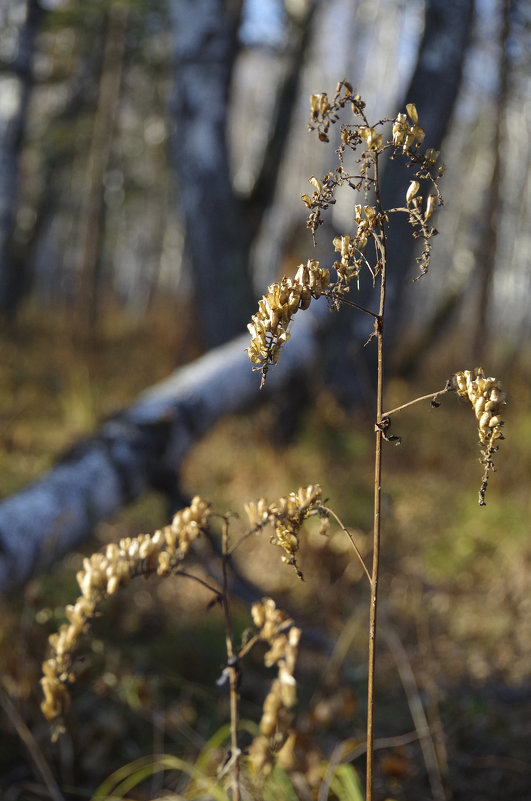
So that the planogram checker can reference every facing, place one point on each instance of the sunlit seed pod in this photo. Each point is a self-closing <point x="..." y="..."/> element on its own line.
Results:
<point x="413" y="188"/>
<point x="494" y="421"/>
<point x="314" y="182"/>
<point x="274" y="318"/>
<point x="484" y="420"/>
<point x="306" y="297"/>
<point x="412" y="112"/>
<point x="430" y="206"/>
<point x="481" y="384"/>
<point x="258" y="615"/>
<point x="479" y="406"/>
<point x="283" y="294"/>
<point x="112" y="585"/>
<point x="409" y="140"/>
<point x="419" y="134"/>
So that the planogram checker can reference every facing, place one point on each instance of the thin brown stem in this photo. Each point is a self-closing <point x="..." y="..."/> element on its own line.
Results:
<point x="379" y="332"/>
<point x="351" y="538"/>
<point x="233" y="670"/>
<point x="357" y="306"/>
<point x="430" y="396"/>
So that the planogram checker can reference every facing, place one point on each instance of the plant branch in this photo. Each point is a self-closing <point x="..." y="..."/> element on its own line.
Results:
<point x="430" y="396"/>
<point x="351" y="538"/>
<point x="357" y="306"/>
<point x="379" y="332"/>
<point x="232" y="668"/>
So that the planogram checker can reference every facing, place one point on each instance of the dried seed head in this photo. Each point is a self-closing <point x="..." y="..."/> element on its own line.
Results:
<point x="488" y="399"/>
<point x="101" y="576"/>
<point x="269" y="326"/>
<point x="275" y="725"/>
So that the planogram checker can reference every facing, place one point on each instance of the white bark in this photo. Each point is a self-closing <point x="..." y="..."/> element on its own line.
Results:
<point x="103" y="473"/>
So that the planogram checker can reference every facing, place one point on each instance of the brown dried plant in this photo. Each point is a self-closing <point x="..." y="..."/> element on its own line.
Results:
<point x="163" y="553"/>
<point x="365" y="248"/>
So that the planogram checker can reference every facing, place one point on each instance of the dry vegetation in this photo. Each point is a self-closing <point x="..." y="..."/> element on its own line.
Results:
<point x="455" y="582"/>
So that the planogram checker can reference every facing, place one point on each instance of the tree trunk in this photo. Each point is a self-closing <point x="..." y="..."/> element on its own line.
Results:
<point x="433" y="88"/>
<point x="486" y="258"/>
<point x="139" y="448"/>
<point x="217" y="238"/>
<point x="92" y="208"/>
<point x="20" y="21"/>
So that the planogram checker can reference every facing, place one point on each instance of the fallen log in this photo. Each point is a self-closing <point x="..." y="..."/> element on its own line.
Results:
<point x="138" y="448"/>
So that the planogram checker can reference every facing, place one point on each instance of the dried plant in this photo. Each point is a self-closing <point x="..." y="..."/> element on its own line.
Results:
<point x="163" y="554"/>
<point x="365" y="248"/>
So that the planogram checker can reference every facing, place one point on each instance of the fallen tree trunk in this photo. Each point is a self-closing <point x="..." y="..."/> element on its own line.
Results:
<point x="139" y="448"/>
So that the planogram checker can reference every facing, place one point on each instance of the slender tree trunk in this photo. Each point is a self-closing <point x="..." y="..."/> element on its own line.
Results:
<point x="139" y="448"/>
<point x="486" y="258"/>
<point x="433" y="88"/>
<point x="20" y="19"/>
<point x="217" y="237"/>
<point x="92" y="210"/>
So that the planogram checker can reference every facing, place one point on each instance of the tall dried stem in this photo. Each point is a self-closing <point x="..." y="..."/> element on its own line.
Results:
<point x="233" y="670"/>
<point x="379" y="332"/>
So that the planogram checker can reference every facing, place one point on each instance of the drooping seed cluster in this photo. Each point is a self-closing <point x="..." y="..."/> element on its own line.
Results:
<point x="287" y="516"/>
<point x="283" y="638"/>
<point x="100" y="577"/>
<point x="488" y="399"/>
<point x="269" y="326"/>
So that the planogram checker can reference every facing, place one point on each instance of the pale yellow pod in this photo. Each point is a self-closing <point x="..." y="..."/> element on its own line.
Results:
<point x="484" y="420"/>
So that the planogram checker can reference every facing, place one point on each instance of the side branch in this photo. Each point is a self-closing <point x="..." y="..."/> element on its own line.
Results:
<point x="431" y="396"/>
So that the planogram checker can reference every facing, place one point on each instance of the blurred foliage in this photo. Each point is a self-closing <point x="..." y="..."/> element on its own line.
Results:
<point x="455" y="584"/>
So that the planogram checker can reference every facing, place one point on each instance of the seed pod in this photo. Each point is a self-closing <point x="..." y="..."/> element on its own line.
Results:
<point x="414" y="187"/>
<point x="306" y="297"/>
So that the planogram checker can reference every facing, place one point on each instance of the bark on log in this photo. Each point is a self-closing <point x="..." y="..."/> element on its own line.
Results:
<point x="138" y="448"/>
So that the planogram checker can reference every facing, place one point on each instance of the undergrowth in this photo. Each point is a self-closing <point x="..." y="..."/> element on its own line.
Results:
<point x="274" y="757"/>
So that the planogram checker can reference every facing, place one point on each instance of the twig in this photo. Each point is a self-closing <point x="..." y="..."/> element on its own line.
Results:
<point x="351" y="538"/>
<point x="233" y="669"/>
<point x="431" y="395"/>
<point x="357" y="306"/>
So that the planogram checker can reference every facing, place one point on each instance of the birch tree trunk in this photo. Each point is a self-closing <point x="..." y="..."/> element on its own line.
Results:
<point x="433" y="88"/>
<point x="217" y="239"/>
<point x="140" y="448"/>
<point x="19" y="22"/>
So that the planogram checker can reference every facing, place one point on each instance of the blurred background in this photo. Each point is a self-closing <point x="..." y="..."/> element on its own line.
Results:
<point x="152" y="158"/>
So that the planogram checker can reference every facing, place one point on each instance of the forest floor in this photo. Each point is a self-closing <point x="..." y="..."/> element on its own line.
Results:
<point x="455" y="611"/>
